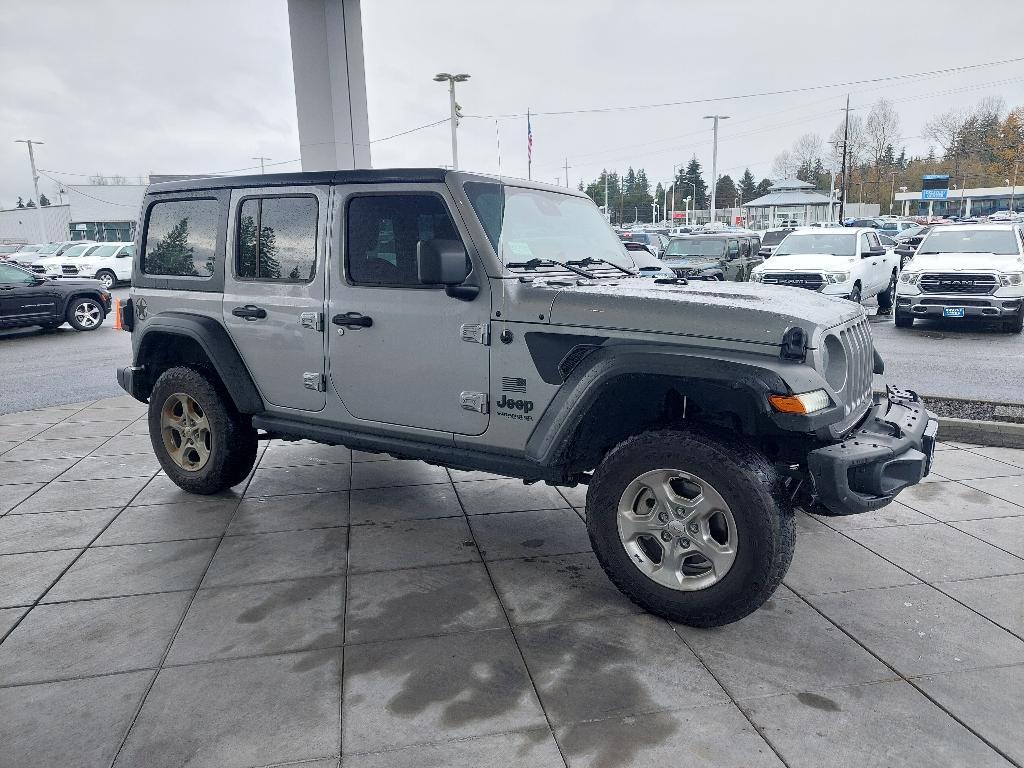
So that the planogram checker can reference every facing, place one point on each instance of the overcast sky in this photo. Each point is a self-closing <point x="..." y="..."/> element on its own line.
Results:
<point x="119" y="87"/>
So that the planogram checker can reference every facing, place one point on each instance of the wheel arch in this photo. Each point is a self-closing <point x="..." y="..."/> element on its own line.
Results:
<point x="620" y="391"/>
<point x="181" y="338"/>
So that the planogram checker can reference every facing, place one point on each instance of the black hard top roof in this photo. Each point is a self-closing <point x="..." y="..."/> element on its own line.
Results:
<point x="360" y="176"/>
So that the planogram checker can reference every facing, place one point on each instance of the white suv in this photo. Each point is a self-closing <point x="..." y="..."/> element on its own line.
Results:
<point x="110" y="263"/>
<point x="848" y="262"/>
<point x="965" y="270"/>
<point x="51" y="265"/>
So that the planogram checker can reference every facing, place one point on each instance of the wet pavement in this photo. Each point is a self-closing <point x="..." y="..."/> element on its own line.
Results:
<point x="339" y="607"/>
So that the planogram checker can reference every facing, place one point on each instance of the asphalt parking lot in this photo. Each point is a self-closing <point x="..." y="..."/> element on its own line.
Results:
<point x="942" y="358"/>
<point x="344" y="607"/>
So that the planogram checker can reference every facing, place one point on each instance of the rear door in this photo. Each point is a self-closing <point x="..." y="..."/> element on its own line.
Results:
<point x="733" y="262"/>
<point x="274" y="291"/>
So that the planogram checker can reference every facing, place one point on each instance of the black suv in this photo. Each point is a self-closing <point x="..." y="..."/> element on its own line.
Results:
<point x="27" y="299"/>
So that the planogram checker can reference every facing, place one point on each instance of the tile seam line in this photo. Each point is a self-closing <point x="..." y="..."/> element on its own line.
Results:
<point x="170" y="642"/>
<point x="910" y="681"/>
<point x="508" y="622"/>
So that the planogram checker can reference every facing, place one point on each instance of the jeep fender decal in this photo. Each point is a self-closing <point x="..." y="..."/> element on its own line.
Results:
<point x="555" y="355"/>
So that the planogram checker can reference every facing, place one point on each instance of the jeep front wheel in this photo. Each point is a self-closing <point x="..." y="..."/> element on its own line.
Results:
<point x="203" y="444"/>
<point x="692" y="526"/>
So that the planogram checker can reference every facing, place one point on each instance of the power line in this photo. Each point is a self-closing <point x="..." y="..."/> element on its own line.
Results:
<point x="736" y="97"/>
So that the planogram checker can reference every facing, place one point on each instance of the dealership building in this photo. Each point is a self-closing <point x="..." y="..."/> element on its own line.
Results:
<point x="979" y="201"/>
<point x="87" y="212"/>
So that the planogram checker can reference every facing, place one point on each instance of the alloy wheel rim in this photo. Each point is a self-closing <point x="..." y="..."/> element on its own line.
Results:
<point x="185" y="431"/>
<point x="88" y="314"/>
<point x="107" y="281"/>
<point x="677" y="529"/>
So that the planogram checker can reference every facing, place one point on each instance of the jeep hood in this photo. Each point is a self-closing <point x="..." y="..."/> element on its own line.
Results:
<point x="966" y="262"/>
<point x="808" y="262"/>
<point x="741" y="311"/>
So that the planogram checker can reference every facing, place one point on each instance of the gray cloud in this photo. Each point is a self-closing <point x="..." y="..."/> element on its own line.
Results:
<point x="132" y="87"/>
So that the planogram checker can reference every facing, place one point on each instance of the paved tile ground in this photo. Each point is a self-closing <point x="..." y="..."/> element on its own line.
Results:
<point x="343" y="608"/>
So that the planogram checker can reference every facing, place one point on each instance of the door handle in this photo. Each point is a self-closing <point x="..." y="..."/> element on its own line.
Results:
<point x="352" y="320"/>
<point x="250" y="312"/>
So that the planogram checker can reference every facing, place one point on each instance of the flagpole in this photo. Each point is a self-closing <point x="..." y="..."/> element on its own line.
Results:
<point x="529" y="147"/>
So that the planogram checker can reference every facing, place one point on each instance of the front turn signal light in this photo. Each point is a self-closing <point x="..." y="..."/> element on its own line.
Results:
<point x="808" y="402"/>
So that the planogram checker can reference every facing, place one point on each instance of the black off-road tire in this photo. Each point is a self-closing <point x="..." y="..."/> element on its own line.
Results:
<point x="855" y="295"/>
<point x="108" y="278"/>
<point x="1015" y="324"/>
<point x="888" y="296"/>
<point x="748" y="483"/>
<point x="903" y="319"/>
<point x="233" y="446"/>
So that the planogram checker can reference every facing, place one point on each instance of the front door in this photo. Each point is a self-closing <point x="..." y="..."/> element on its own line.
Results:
<point x="274" y="291"/>
<point x="400" y="352"/>
<point x="22" y="300"/>
<point x="733" y="263"/>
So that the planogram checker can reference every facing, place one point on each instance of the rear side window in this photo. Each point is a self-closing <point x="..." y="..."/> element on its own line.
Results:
<point x="382" y="233"/>
<point x="277" y="239"/>
<point x="181" y="238"/>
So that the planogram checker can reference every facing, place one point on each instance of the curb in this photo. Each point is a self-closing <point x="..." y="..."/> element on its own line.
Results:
<point x="993" y="433"/>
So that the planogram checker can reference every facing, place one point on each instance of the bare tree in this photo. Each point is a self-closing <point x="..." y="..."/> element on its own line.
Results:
<point x="855" y="144"/>
<point x="807" y="150"/>
<point x="881" y="131"/>
<point x="946" y="130"/>
<point x="784" y="166"/>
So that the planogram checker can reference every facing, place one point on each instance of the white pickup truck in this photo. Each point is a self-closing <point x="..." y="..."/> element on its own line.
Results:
<point x="965" y="270"/>
<point x="848" y="262"/>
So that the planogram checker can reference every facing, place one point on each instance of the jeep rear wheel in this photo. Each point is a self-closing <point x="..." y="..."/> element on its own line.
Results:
<point x="203" y="444"/>
<point x="691" y="526"/>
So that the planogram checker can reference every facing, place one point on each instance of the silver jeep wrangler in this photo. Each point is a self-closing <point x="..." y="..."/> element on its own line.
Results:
<point x="499" y="325"/>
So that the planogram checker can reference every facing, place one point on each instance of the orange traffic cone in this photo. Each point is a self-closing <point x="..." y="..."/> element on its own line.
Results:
<point x="117" y="315"/>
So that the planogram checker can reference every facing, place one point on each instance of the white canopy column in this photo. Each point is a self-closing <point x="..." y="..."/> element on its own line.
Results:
<point x="330" y="84"/>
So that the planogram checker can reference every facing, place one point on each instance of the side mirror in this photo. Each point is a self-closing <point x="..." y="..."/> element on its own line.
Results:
<point x="444" y="262"/>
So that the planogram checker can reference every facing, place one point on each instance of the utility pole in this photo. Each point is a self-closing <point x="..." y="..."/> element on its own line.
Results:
<point x="444" y="77"/>
<point x="35" y="184"/>
<point x="714" y="161"/>
<point x="607" y="213"/>
<point x="846" y="139"/>
<point x="567" y="171"/>
<point x="892" y="191"/>
<point x="261" y="158"/>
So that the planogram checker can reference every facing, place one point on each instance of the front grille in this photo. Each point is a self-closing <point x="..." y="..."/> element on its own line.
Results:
<point x="809" y="280"/>
<point x="686" y="271"/>
<point x="855" y="396"/>
<point x="957" y="282"/>
<point x="38" y="270"/>
<point x="959" y="302"/>
<point x="68" y="270"/>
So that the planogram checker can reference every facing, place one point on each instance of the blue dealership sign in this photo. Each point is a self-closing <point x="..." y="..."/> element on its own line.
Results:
<point x="934" y="194"/>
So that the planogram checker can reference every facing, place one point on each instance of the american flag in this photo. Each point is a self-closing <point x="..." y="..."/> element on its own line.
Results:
<point x="529" y="138"/>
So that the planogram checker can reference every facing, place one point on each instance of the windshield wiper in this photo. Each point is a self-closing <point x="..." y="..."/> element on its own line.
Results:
<point x="590" y="260"/>
<point x="537" y="263"/>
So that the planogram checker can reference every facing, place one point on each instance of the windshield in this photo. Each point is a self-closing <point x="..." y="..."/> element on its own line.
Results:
<point x="524" y="224"/>
<point x="999" y="241"/>
<point x="104" y="251"/>
<point x="29" y="248"/>
<point x="835" y="244"/>
<point x="46" y="250"/>
<point x="694" y="247"/>
<point x="773" y="238"/>
<point x="76" y="250"/>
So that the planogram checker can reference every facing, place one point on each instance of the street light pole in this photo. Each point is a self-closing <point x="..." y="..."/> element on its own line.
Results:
<point x="444" y="77"/>
<point x="714" y="161"/>
<point x="261" y="158"/>
<point x="35" y="184"/>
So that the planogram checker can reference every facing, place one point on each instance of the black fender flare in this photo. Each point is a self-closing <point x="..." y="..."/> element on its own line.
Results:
<point x="752" y="376"/>
<point x="212" y="337"/>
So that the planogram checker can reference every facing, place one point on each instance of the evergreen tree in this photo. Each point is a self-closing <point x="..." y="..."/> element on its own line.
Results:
<point x="173" y="255"/>
<point x="747" y="186"/>
<point x="21" y="203"/>
<point x="699" y="190"/>
<point x="44" y="201"/>
<point x="31" y="203"/>
<point x="725" y="192"/>
<point x="763" y="188"/>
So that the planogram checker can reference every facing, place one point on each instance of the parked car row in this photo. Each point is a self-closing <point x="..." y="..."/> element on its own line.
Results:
<point x="110" y="263"/>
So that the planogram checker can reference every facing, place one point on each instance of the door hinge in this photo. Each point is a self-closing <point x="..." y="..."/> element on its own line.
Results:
<point x="314" y="381"/>
<point x="312" y="320"/>
<point x="474" y="401"/>
<point x="478" y="333"/>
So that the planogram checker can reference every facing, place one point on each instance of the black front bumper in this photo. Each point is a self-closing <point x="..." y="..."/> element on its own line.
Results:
<point x="131" y="381"/>
<point x="891" y="450"/>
